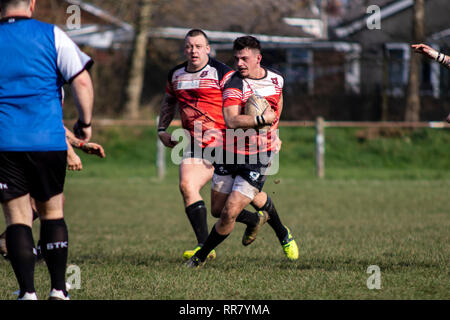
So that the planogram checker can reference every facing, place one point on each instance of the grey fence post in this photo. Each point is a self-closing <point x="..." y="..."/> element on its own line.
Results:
<point x="320" y="147"/>
<point x="160" y="156"/>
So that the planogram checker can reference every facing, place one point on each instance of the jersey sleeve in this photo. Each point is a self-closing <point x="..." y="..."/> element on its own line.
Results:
<point x="71" y="60"/>
<point x="169" y="89"/>
<point x="281" y="83"/>
<point x="233" y="92"/>
<point x="226" y="78"/>
<point x="170" y="79"/>
<point x="224" y="71"/>
<point x="278" y="80"/>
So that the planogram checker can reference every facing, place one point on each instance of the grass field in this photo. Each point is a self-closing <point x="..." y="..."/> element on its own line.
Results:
<point x="384" y="203"/>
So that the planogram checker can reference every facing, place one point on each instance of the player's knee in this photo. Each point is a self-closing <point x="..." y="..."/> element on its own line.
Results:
<point x="226" y="222"/>
<point x="228" y="215"/>
<point x="186" y="188"/>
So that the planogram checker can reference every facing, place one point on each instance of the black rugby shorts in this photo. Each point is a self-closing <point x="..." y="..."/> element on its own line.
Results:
<point x="251" y="168"/>
<point x="41" y="174"/>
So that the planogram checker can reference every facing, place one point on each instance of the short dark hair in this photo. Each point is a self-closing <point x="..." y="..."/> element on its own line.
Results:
<point x="246" y="42"/>
<point x="12" y="3"/>
<point x="197" y="32"/>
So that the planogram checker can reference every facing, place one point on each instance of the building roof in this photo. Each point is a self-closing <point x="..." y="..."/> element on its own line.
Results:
<point x="110" y="31"/>
<point x="116" y="30"/>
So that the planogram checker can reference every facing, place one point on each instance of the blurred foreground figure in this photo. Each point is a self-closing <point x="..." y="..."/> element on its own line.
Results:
<point x="36" y="60"/>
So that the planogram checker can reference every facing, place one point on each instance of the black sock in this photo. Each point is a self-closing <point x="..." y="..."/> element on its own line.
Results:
<point x="21" y="253"/>
<point x="274" y="220"/>
<point x="38" y="251"/>
<point x="197" y="213"/>
<point x="247" y="217"/>
<point x="214" y="239"/>
<point x="54" y="248"/>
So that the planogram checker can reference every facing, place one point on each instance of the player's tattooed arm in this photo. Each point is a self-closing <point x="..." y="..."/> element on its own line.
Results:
<point x="168" y="110"/>
<point x="72" y="140"/>
<point x="87" y="147"/>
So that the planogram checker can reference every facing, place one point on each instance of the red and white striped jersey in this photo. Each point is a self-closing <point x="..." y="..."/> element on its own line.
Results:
<point x="239" y="89"/>
<point x="199" y="94"/>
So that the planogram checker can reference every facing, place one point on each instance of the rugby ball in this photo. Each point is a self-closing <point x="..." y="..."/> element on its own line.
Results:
<point x="255" y="106"/>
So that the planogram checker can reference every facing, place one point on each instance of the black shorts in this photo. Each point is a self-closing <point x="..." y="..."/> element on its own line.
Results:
<point x="251" y="168"/>
<point x="41" y="174"/>
<point x="195" y="151"/>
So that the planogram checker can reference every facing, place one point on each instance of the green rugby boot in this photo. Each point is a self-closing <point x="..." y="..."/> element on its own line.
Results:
<point x="189" y="253"/>
<point x="252" y="231"/>
<point x="290" y="247"/>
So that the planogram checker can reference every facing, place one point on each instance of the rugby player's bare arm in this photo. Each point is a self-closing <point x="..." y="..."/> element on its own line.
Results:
<point x="278" y="141"/>
<point x="447" y="62"/>
<point x="432" y="54"/>
<point x="83" y="93"/>
<point x="73" y="160"/>
<point x="87" y="147"/>
<point x="234" y="119"/>
<point x="168" y="110"/>
<point x="435" y="55"/>
<point x="280" y="105"/>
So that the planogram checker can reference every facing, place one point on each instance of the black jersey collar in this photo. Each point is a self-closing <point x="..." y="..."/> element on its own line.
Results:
<point x="14" y="19"/>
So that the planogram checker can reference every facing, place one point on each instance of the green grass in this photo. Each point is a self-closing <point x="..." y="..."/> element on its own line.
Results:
<point x="128" y="231"/>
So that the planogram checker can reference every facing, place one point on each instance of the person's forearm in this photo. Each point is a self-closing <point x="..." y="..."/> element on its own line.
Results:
<point x="83" y="92"/>
<point x="167" y="113"/>
<point x="70" y="151"/>
<point x="441" y="58"/>
<point x="72" y="140"/>
<point x="241" y="122"/>
<point x="446" y="61"/>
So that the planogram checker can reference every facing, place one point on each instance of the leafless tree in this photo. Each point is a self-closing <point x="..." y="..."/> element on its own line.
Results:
<point x="138" y="61"/>
<point x="413" y="92"/>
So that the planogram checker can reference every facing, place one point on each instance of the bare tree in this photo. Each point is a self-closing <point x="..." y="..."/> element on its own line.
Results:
<point x="138" y="60"/>
<point x="413" y="93"/>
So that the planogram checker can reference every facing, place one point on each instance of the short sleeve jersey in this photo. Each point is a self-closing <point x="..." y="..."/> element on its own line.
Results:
<point x="238" y="90"/>
<point x="36" y="60"/>
<point x="199" y="95"/>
